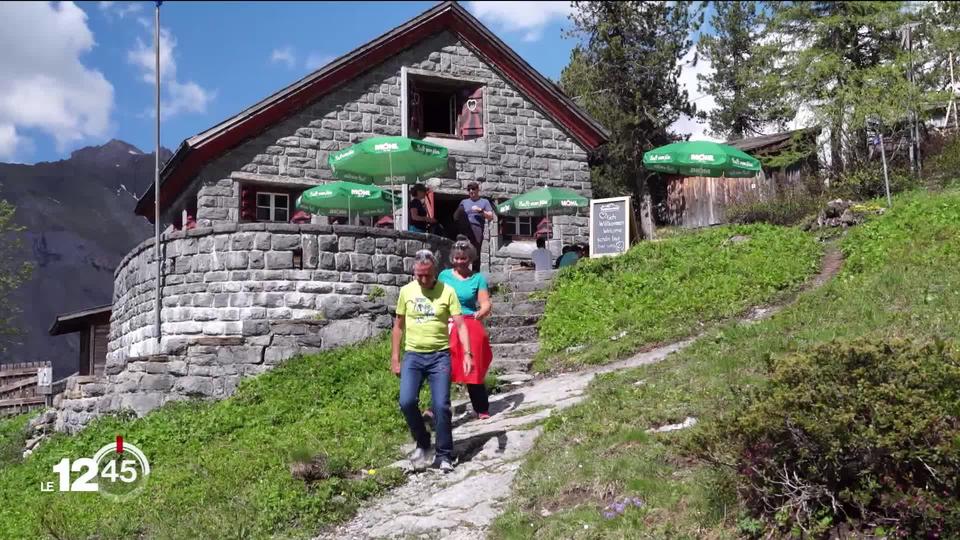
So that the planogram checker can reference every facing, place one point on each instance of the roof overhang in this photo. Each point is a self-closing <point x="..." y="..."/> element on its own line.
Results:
<point x="200" y="149"/>
<point x="67" y="323"/>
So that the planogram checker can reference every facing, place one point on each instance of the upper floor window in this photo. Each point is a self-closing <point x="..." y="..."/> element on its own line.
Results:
<point x="273" y="206"/>
<point x="444" y="108"/>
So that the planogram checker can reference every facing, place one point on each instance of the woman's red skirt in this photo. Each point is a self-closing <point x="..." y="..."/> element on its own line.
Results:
<point x="479" y="345"/>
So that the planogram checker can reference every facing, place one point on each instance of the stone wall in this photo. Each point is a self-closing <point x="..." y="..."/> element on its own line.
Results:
<point x="520" y="150"/>
<point x="237" y="300"/>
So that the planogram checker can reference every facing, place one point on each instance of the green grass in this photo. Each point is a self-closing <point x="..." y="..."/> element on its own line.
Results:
<point x="13" y="436"/>
<point x="901" y="278"/>
<point x="664" y="290"/>
<point x="220" y="470"/>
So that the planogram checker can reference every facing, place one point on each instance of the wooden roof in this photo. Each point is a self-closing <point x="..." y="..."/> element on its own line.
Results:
<point x="766" y="141"/>
<point x="76" y="321"/>
<point x="198" y="150"/>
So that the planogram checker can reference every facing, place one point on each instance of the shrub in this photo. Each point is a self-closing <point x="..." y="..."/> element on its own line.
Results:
<point x="867" y="182"/>
<point x="859" y="435"/>
<point x="944" y="164"/>
<point x="781" y="211"/>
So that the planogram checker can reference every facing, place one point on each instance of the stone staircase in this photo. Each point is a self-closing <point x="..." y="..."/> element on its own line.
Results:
<point x="513" y="325"/>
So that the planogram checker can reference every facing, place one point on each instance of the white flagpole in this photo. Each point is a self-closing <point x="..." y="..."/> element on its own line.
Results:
<point x="156" y="175"/>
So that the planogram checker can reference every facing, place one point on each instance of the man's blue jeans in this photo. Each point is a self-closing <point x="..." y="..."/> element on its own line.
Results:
<point x="435" y="367"/>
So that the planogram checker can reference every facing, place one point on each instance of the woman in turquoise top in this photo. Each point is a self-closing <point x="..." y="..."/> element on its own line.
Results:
<point x="473" y="293"/>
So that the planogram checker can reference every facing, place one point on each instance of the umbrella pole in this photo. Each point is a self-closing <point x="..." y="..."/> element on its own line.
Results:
<point x="393" y="201"/>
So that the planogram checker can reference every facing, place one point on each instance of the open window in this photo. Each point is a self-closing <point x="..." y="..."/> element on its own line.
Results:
<point x="444" y="108"/>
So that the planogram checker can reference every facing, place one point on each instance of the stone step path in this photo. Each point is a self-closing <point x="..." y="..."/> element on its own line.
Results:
<point x="461" y="505"/>
<point x="513" y="325"/>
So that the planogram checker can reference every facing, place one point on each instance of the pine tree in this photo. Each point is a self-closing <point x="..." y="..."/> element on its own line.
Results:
<point x="625" y="72"/>
<point x="744" y="81"/>
<point x="842" y="61"/>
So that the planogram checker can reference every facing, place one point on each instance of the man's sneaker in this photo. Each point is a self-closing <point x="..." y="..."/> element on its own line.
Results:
<point x="443" y="464"/>
<point x="419" y="458"/>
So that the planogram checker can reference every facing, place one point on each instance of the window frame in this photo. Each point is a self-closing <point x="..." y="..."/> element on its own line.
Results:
<point x="514" y="222"/>
<point x="441" y="83"/>
<point x="273" y="206"/>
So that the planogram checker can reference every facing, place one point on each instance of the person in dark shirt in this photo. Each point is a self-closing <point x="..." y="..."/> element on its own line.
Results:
<point x="419" y="220"/>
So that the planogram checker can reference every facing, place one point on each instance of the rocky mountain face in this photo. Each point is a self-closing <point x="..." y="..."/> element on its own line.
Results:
<point x="79" y="221"/>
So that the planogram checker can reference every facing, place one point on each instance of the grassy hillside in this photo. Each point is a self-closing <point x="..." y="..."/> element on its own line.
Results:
<point x="221" y="470"/>
<point x="900" y="279"/>
<point x="661" y="291"/>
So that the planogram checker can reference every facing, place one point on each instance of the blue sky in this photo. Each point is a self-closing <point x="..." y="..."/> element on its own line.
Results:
<point x="81" y="73"/>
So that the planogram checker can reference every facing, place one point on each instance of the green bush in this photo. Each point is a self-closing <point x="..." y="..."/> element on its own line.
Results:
<point x="851" y="436"/>
<point x="781" y="211"/>
<point x="944" y="165"/>
<point x="867" y="182"/>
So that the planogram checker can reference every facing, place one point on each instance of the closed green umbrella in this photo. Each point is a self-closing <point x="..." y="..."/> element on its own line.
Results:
<point x="701" y="158"/>
<point x="347" y="199"/>
<point x="544" y="202"/>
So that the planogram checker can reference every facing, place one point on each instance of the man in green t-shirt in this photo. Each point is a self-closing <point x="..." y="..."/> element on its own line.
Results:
<point x="424" y="308"/>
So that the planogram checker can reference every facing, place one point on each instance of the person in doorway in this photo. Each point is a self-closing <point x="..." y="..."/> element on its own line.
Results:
<point x="419" y="220"/>
<point x="474" y="296"/>
<point x="541" y="257"/>
<point x="425" y="308"/>
<point x="478" y="212"/>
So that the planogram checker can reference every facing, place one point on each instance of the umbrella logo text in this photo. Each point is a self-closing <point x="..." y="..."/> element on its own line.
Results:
<point x="386" y="147"/>
<point x="701" y="157"/>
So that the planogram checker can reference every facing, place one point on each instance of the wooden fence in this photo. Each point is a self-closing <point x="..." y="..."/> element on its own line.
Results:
<point x="18" y="387"/>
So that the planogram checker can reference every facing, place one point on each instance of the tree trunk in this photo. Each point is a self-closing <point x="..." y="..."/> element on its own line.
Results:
<point x="647" y="226"/>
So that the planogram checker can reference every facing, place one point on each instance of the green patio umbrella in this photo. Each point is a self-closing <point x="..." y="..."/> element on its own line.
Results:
<point x="389" y="160"/>
<point x="544" y="202"/>
<point x="347" y="199"/>
<point x="701" y="158"/>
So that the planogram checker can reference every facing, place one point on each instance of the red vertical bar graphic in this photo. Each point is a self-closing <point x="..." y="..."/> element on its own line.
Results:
<point x="119" y="444"/>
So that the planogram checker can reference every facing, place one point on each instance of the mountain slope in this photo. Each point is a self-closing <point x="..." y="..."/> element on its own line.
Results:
<point x="79" y="221"/>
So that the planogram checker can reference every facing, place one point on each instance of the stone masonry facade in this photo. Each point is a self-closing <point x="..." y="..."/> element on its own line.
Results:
<point x="236" y="301"/>
<point x="521" y="148"/>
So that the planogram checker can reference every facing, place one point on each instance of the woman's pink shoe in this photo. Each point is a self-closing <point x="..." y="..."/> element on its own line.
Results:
<point x="483" y="416"/>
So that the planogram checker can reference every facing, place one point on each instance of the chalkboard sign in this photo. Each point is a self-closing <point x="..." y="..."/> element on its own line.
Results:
<point x="610" y="226"/>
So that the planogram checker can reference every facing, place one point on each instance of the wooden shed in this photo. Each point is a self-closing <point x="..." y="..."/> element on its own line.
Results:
<point x="93" y="324"/>
<point x="699" y="201"/>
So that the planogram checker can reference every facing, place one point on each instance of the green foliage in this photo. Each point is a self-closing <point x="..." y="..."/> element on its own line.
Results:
<point x="624" y="72"/>
<point x="221" y="470"/>
<point x="13" y="272"/>
<point x="786" y="211"/>
<point x="376" y="292"/>
<point x="743" y="81"/>
<point x="898" y="280"/>
<point x="843" y="61"/>
<point x="867" y="182"/>
<point x="13" y="436"/>
<point x="861" y="431"/>
<point x="945" y="164"/>
<point x="658" y="290"/>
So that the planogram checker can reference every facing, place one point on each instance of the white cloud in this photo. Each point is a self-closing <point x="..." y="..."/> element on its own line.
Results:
<point x="284" y="56"/>
<point x="45" y="86"/>
<point x="530" y="18"/>
<point x="178" y="96"/>
<point x="120" y="9"/>
<point x="704" y="102"/>
<point x="317" y="60"/>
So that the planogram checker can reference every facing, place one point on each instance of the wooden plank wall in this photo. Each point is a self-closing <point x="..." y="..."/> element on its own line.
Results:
<point x="699" y="201"/>
<point x="18" y="387"/>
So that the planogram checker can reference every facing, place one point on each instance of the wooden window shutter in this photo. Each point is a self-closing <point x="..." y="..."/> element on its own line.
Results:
<point x="471" y="114"/>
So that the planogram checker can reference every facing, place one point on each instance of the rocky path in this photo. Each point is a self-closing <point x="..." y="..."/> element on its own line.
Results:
<point x="462" y="504"/>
